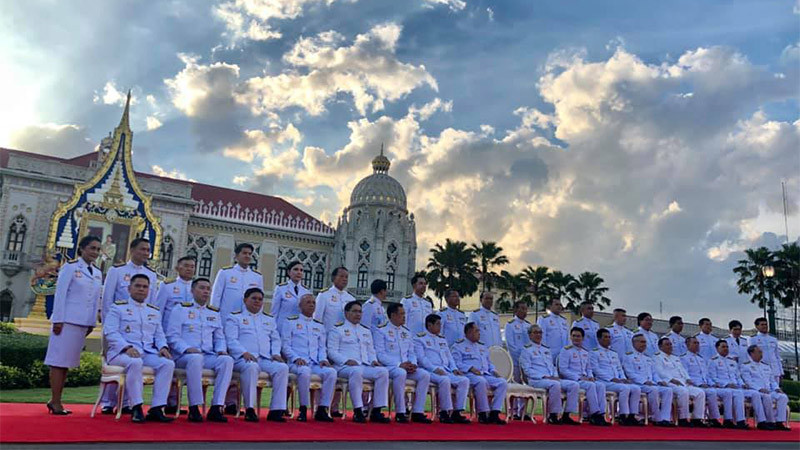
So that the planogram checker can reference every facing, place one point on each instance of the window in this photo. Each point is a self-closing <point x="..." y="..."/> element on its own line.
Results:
<point x="254" y="263"/>
<point x="390" y="280"/>
<point x="319" y="278"/>
<point x="167" y="251"/>
<point x="307" y="276"/>
<point x="205" y="264"/>
<point x="6" y="302"/>
<point x="16" y="234"/>
<point x="282" y="277"/>
<point x="362" y="277"/>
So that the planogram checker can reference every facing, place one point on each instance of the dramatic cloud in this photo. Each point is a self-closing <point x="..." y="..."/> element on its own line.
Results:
<point x="455" y="5"/>
<point x="174" y="173"/>
<point x="254" y="19"/>
<point x="65" y="140"/>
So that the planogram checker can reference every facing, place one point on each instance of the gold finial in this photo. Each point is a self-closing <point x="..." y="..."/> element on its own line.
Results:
<point x="124" y="122"/>
<point x="381" y="163"/>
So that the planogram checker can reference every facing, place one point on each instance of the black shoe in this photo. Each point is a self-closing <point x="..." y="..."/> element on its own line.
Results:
<point x="420" y="418"/>
<point x="728" y="424"/>
<point x="276" y="415"/>
<point x="458" y="418"/>
<point x="215" y="414"/>
<point x="664" y="424"/>
<point x="780" y="426"/>
<point x="401" y="418"/>
<point x="250" y="415"/>
<point x="127" y="410"/>
<point x="137" y="414"/>
<point x="567" y="420"/>
<point x="483" y="418"/>
<point x="231" y="410"/>
<point x="377" y="416"/>
<point x="494" y="417"/>
<point x="358" y="416"/>
<point x="742" y="425"/>
<point x="107" y="410"/>
<point x="713" y="423"/>
<point x="302" y="414"/>
<point x="194" y="414"/>
<point x="170" y="409"/>
<point x="157" y="415"/>
<point x="765" y="426"/>
<point x="337" y="414"/>
<point x="698" y="423"/>
<point x="322" y="415"/>
<point x="552" y="419"/>
<point x="597" y="419"/>
<point x="684" y="423"/>
<point x="444" y="417"/>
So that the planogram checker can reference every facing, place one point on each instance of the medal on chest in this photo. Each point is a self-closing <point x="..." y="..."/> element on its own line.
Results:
<point x="234" y="280"/>
<point x="127" y="277"/>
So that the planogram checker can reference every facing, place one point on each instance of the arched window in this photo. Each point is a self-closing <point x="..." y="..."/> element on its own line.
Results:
<point x="16" y="234"/>
<point x="282" y="277"/>
<point x="6" y="302"/>
<point x="390" y="280"/>
<point x="362" y="277"/>
<point x="319" y="278"/>
<point x="307" y="274"/>
<point x="205" y="264"/>
<point x="167" y="251"/>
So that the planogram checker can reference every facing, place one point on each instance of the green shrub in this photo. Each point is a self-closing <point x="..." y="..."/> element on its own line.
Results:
<point x="39" y="374"/>
<point x="88" y="373"/>
<point x="794" y="405"/>
<point x="7" y="328"/>
<point x="22" y="349"/>
<point x="13" y="378"/>
<point x="791" y="388"/>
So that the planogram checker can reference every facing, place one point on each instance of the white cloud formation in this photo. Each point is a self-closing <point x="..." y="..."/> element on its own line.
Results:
<point x="454" y="5"/>
<point x="254" y="19"/>
<point x="63" y="140"/>
<point x="427" y="110"/>
<point x="112" y="95"/>
<point x="174" y="173"/>
<point x="202" y="89"/>
<point x="153" y="123"/>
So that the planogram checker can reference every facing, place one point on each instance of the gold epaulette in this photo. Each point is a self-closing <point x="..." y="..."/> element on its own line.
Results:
<point x="187" y="304"/>
<point x="421" y="333"/>
<point x="748" y="362"/>
<point x="154" y="307"/>
<point x="266" y="313"/>
<point x="120" y="302"/>
<point x="74" y="260"/>
<point x="170" y="280"/>
<point x="460" y="341"/>
<point x="492" y="312"/>
<point x="628" y="353"/>
<point x="338" y="324"/>
<point x="443" y="309"/>
<point x="213" y="308"/>
<point x="715" y="357"/>
<point x="120" y="264"/>
<point x="227" y="267"/>
<point x="383" y="324"/>
<point x="295" y="317"/>
<point x="476" y="310"/>
<point x="407" y="296"/>
<point x="236" y="312"/>
<point x="568" y="347"/>
<point x="254" y="270"/>
<point x="528" y="345"/>
<point x="284" y="283"/>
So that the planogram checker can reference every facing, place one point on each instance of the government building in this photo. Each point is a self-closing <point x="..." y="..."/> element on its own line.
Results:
<point x="48" y="203"/>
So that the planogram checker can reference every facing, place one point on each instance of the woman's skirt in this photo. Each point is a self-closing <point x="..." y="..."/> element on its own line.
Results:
<point x="64" y="350"/>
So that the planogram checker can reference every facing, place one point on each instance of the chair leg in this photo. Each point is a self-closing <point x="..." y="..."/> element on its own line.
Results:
<point x="258" y="401"/>
<point x="239" y="401"/>
<point x="99" y="396"/>
<point x="205" y="388"/>
<point x="120" y="395"/>
<point x="179" y="389"/>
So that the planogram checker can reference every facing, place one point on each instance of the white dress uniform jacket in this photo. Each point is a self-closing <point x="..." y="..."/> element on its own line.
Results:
<point x="118" y="279"/>
<point x="330" y="306"/>
<point x="489" y="323"/>
<point x="286" y="300"/>
<point x="554" y="333"/>
<point x="417" y="309"/>
<point x="172" y="293"/>
<point x="229" y="287"/>
<point x="453" y="321"/>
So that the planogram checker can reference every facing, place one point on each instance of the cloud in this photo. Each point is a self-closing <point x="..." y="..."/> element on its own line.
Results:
<point x="254" y="19"/>
<point x="454" y="5"/>
<point x="112" y="95"/>
<point x="427" y="110"/>
<point x="63" y="140"/>
<point x="153" y="123"/>
<point x="174" y="173"/>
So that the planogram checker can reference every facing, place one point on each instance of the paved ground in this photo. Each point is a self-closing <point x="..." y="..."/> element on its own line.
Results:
<point x="538" y="445"/>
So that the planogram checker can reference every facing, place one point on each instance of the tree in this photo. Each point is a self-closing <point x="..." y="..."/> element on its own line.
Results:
<point x="489" y="254"/>
<point x="538" y="280"/>
<point x="751" y="276"/>
<point x="452" y="266"/>
<point x="787" y="276"/>
<point x="589" y="288"/>
<point x="562" y="286"/>
<point x="516" y="285"/>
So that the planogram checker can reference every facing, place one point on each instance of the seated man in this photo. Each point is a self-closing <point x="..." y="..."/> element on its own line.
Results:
<point x="135" y="338"/>
<point x="607" y="368"/>
<point x="196" y="337"/>
<point x="253" y="339"/>
<point x="395" y="349"/>
<point x="640" y="369"/>
<point x="759" y="375"/>
<point x="516" y="334"/>
<point x="536" y="364"/>
<point x="573" y="364"/>
<point x="434" y="355"/>
<point x="723" y="371"/>
<point x="670" y="370"/>
<point x="304" y="348"/>
<point x="472" y="358"/>
<point x="697" y="368"/>
<point x="351" y="349"/>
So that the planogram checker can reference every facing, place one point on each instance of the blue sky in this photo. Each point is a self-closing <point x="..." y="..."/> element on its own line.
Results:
<point x="644" y="141"/>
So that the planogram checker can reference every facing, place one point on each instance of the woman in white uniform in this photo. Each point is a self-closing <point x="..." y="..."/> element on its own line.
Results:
<point x="75" y="306"/>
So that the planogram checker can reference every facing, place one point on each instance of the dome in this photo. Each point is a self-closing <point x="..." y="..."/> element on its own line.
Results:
<point x="379" y="188"/>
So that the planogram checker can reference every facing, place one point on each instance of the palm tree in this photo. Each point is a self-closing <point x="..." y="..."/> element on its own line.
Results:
<point x="562" y="286"/>
<point x="538" y="280"/>
<point x="489" y="254"/>
<point x="516" y="285"/>
<point x="787" y="275"/>
<point x="589" y="288"/>
<point x="452" y="266"/>
<point x="751" y="276"/>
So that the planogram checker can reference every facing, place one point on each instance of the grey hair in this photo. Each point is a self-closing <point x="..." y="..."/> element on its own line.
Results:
<point x="534" y="327"/>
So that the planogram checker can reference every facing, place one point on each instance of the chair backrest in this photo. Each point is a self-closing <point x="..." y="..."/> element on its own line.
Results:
<point x="502" y="362"/>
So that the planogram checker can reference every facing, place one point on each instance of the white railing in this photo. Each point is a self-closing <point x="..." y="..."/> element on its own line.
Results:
<point x="270" y="218"/>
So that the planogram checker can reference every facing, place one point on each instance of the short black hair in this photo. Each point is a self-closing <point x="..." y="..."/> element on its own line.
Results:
<point x="578" y="329"/>
<point x="431" y="319"/>
<point x="675" y="319"/>
<point x="140" y="276"/>
<point x="186" y="258"/>
<point x="252" y="291"/>
<point x="198" y="280"/>
<point x="720" y="342"/>
<point x="703" y="320"/>
<point x="449" y="292"/>
<point x="416" y="277"/>
<point x="393" y="308"/>
<point x="350" y="305"/>
<point x="336" y="271"/>
<point x="751" y="349"/>
<point x="469" y="326"/>
<point x="759" y="320"/>
<point x="243" y="246"/>
<point x="85" y="241"/>
<point x="135" y="243"/>
<point x="519" y="303"/>
<point x="642" y="316"/>
<point x="292" y="264"/>
<point x="734" y="323"/>
<point x="622" y="310"/>
<point x="601" y="332"/>
<point x="661" y="341"/>
<point x="377" y="286"/>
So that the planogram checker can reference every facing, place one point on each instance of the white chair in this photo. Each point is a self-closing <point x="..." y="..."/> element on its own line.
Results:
<point x="503" y="364"/>
<point x="116" y="374"/>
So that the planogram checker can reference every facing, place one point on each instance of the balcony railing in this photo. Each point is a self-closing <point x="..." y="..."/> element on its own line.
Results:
<point x="11" y="262"/>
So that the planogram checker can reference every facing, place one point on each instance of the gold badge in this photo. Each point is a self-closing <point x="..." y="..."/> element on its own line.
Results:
<point x="234" y="280"/>
<point x="245" y="321"/>
<point x="191" y="315"/>
<point x="287" y="294"/>
<point x="78" y="275"/>
<point x="127" y="277"/>
<point x="128" y="329"/>
<point x="299" y="326"/>
<point x="176" y="290"/>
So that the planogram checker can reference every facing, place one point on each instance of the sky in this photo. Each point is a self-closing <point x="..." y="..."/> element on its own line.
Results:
<point x="644" y="141"/>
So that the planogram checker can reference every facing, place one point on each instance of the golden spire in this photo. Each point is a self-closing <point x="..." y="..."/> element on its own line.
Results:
<point x="381" y="163"/>
<point x="124" y="122"/>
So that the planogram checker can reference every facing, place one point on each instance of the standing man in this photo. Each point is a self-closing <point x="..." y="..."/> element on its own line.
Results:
<point x="588" y="324"/>
<point x="620" y="336"/>
<point x="453" y="319"/>
<point x="351" y="349"/>
<point x="433" y="354"/>
<point x="487" y="320"/>
<point x="233" y="281"/>
<point x="253" y="340"/>
<point x="697" y="368"/>
<point x="305" y="350"/>
<point x="674" y="335"/>
<point x="670" y="369"/>
<point x="759" y="376"/>
<point x="706" y="339"/>
<point x="416" y="305"/>
<point x="373" y="312"/>
<point x="177" y="290"/>
<point x="516" y="340"/>
<point x="135" y="338"/>
<point x="737" y="344"/>
<point x="573" y="364"/>
<point x="196" y="337"/>
<point x="723" y="371"/>
<point x="645" y="321"/>
<point x="330" y="302"/>
<point x="286" y="298"/>
<point x="640" y="369"/>
<point x="537" y="364"/>
<point x="394" y="346"/>
<point x="607" y="368"/>
<point x="554" y="328"/>
<point x="115" y="288"/>
<point x="472" y="358"/>
<point x="769" y="346"/>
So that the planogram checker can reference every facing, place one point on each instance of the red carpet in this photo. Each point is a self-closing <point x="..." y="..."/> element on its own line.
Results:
<point x="30" y="423"/>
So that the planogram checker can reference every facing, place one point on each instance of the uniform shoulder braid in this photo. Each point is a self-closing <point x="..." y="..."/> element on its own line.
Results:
<point x="120" y="302"/>
<point x="366" y="326"/>
<point x="266" y="313"/>
<point x="120" y="264"/>
<point x="294" y="317"/>
<point x="628" y="353"/>
<point x="187" y="304"/>
<point x="154" y="306"/>
<point x="528" y="345"/>
<point x="255" y="271"/>
<point x="460" y="341"/>
<point x="318" y="321"/>
<point x="383" y="325"/>
<point x="568" y="347"/>
<point x="284" y="283"/>
<point x="170" y="280"/>
<point x="227" y="267"/>
<point x="213" y="308"/>
<point x="421" y="333"/>
<point x="236" y="312"/>
<point x="72" y="261"/>
<point x="338" y="324"/>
